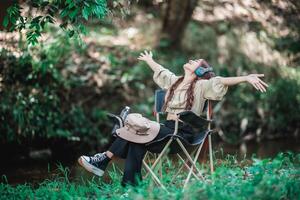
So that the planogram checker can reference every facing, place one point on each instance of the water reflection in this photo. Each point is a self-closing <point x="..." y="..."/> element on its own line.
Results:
<point x="263" y="149"/>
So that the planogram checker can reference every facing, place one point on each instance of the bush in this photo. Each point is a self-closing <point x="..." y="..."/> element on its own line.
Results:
<point x="37" y="99"/>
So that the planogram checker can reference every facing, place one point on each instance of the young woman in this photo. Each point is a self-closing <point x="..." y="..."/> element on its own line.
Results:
<point x="187" y="92"/>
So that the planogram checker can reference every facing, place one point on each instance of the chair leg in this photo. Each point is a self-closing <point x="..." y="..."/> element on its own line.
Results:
<point x="160" y="155"/>
<point x="160" y="168"/>
<point x="155" y="178"/>
<point x="149" y="158"/>
<point x="210" y="154"/>
<point x="183" y="164"/>
<point x="165" y="148"/>
<point x="187" y="166"/>
<point x="153" y="156"/>
<point x="146" y="157"/>
<point x="193" y="162"/>
<point x="160" y="165"/>
<point x="177" y="173"/>
<point x="151" y="165"/>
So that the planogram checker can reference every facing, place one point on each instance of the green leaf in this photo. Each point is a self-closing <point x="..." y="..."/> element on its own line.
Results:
<point x="5" y="21"/>
<point x="71" y="33"/>
<point x="85" y="13"/>
<point x="73" y="13"/>
<point x="64" y="13"/>
<point x="44" y="4"/>
<point x="82" y="29"/>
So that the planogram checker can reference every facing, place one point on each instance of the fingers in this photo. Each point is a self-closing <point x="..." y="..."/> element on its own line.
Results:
<point x="259" y="75"/>
<point x="255" y="86"/>
<point x="143" y="55"/>
<point x="265" y="84"/>
<point x="259" y="86"/>
<point x="148" y="53"/>
<point x="258" y="83"/>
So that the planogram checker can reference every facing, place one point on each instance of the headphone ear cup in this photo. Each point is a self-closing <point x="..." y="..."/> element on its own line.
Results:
<point x="200" y="71"/>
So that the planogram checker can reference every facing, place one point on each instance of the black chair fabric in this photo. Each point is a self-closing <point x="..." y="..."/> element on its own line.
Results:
<point x="197" y="122"/>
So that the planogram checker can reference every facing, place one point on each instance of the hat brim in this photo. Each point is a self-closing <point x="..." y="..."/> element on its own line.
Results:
<point x="129" y="135"/>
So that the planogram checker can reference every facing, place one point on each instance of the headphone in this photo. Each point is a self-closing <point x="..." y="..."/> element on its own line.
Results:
<point x="200" y="71"/>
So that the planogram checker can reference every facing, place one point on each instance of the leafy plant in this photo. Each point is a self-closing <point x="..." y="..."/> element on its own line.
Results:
<point x="276" y="178"/>
<point x="69" y="15"/>
<point x="34" y="97"/>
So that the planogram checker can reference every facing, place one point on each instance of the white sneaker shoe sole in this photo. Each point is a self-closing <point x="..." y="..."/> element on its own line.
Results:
<point x="86" y="165"/>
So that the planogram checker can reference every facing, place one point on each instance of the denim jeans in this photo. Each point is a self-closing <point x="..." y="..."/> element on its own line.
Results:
<point x="134" y="152"/>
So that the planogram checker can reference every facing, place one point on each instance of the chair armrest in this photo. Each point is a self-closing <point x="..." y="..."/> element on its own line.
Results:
<point x="117" y="121"/>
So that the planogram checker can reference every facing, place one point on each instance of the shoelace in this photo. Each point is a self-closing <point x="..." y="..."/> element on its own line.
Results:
<point x="98" y="157"/>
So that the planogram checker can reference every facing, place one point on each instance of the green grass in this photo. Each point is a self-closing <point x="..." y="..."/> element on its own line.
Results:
<point x="277" y="178"/>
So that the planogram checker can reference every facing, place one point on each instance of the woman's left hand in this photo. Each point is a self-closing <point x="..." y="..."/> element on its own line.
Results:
<point x="254" y="80"/>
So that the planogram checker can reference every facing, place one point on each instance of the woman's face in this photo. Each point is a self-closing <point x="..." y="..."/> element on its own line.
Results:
<point x="192" y="65"/>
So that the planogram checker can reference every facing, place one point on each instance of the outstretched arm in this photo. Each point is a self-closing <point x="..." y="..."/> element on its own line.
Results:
<point x="147" y="57"/>
<point x="253" y="79"/>
<point x="163" y="77"/>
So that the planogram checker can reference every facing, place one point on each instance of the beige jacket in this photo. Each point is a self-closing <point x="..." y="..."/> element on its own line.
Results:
<point x="211" y="89"/>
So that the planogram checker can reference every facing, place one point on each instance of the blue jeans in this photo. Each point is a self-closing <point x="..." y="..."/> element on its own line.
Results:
<point x="134" y="153"/>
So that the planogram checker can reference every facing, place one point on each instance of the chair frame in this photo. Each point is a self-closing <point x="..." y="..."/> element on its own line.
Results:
<point x="198" y="175"/>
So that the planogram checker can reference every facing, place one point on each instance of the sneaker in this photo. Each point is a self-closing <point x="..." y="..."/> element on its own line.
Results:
<point x="95" y="164"/>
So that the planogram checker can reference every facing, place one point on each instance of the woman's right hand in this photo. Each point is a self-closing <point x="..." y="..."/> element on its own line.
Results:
<point x="146" y="56"/>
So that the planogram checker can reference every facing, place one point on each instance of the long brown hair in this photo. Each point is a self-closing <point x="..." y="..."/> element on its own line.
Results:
<point x="190" y="90"/>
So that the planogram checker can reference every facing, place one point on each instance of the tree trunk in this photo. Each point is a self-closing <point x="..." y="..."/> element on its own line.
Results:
<point x="177" y="14"/>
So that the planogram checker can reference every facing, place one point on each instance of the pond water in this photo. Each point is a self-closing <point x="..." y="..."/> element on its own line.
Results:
<point x="36" y="171"/>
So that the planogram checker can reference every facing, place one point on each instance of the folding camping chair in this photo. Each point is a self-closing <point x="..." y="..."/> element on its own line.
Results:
<point x="201" y="125"/>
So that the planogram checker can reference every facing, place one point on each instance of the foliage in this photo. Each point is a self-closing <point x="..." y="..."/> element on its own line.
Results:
<point x="273" y="114"/>
<point x="70" y="15"/>
<point x="282" y="103"/>
<point x="50" y="89"/>
<point x="276" y="178"/>
<point x="34" y="98"/>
